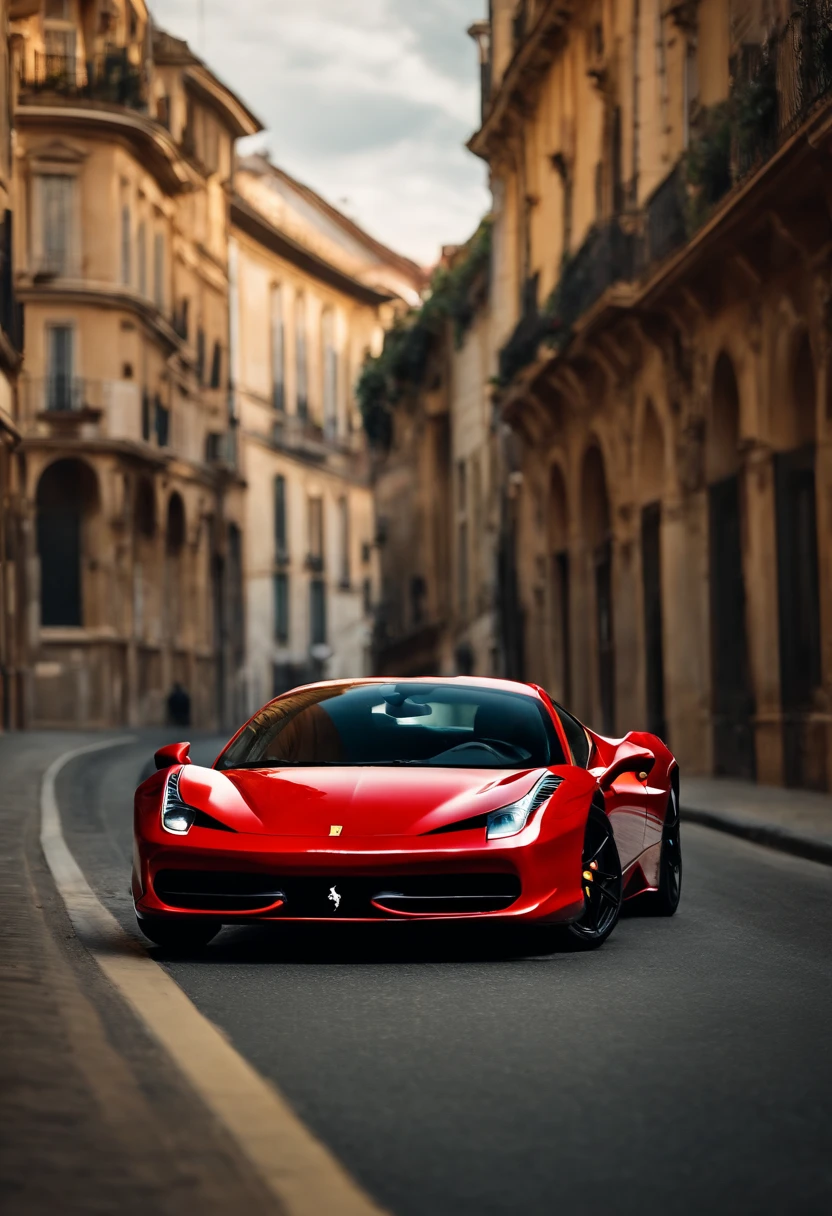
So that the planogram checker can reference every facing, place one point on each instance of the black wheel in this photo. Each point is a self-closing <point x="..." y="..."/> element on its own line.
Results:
<point x="187" y="934"/>
<point x="665" y="901"/>
<point x="602" y="885"/>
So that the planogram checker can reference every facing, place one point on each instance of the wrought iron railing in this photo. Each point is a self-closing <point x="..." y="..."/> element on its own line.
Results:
<point x="106" y="77"/>
<point x="665" y="219"/>
<point x="61" y="393"/>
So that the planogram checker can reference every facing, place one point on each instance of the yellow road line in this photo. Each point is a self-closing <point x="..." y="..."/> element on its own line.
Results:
<point x="298" y="1169"/>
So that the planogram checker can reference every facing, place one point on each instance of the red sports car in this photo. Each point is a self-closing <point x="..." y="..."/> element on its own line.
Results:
<point x="429" y="799"/>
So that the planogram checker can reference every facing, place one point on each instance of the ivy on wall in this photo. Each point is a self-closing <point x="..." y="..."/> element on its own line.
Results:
<point x="402" y="365"/>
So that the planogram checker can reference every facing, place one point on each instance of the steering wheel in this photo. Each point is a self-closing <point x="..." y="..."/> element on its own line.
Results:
<point x="509" y="749"/>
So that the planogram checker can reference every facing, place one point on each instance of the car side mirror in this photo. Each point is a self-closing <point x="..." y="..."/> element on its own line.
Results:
<point x="638" y="761"/>
<point x="173" y="753"/>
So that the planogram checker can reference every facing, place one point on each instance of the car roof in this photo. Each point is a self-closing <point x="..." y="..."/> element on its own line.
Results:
<point x="485" y="682"/>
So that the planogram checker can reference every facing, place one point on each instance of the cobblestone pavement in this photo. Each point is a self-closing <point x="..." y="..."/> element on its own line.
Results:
<point x="92" y="1118"/>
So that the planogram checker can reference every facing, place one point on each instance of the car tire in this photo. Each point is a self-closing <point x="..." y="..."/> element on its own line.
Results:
<point x="665" y="900"/>
<point x="186" y="934"/>
<point x="604" y="892"/>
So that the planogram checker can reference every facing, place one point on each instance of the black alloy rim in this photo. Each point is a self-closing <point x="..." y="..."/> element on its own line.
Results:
<point x="672" y="851"/>
<point x="601" y="880"/>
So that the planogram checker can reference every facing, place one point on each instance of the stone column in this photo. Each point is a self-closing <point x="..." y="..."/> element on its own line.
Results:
<point x="761" y="610"/>
<point x="685" y="609"/>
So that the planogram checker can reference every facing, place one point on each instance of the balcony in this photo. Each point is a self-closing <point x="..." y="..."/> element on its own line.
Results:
<point x="60" y="394"/>
<point x="665" y="219"/>
<point x="300" y="434"/>
<point x="109" y="77"/>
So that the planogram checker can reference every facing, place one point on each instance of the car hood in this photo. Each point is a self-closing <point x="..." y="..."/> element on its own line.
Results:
<point x="361" y="801"/>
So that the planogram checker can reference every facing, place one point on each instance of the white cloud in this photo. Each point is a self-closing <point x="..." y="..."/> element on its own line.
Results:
<point x="364" y="99"/>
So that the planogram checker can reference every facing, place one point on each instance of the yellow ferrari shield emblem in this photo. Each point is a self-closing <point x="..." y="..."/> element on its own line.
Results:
<point x="336" y="829"/>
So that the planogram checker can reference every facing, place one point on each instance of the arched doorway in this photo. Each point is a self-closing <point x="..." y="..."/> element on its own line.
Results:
<point x="798" y="580"/>
<point x="67" y="494"/>
<point x="651" y="482"/>
<point x="558" y="523"/>
<point x="595" y="510"/>
<point x="732" y="694"/>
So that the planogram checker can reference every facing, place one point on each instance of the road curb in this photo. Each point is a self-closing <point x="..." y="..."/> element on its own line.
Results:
<point x="777" y="838"/>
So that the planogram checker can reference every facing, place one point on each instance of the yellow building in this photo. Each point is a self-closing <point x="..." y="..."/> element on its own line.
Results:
<point x="12" y="567"/>
<point x="660" y="318"/>
<point x="311" y="295"/>
<point x="123" y="159"/>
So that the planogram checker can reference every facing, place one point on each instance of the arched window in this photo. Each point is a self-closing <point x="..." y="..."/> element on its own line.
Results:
<point x="67" y="495"/>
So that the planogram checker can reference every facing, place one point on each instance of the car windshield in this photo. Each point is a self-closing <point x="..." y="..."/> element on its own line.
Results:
<point x="400" y="723"/>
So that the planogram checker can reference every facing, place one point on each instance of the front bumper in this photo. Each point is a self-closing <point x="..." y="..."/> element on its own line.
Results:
<point x="537" y="873"/>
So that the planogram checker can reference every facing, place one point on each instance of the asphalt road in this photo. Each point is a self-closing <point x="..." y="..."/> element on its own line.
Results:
<point x="684" y="1068"/>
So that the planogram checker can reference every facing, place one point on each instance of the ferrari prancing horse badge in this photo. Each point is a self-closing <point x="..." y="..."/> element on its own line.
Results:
<point x="336" y="829"/>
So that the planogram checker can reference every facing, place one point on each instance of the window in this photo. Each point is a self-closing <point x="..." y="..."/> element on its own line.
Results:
<point x="317" y="612"/>
<point x="462" y="569"/>
<point x="146" y="415"/>
<point x="425" y="724"/>
<point x="281" y="607"/>
<point x="278" y="350"/>
<point x="159" y="270"/>
<point x="60" y="383"/>
<point x="316" y="530"/>
<point x="301" y="358"/>
<point x="162" y="423"/>
<point x="344" y="525"/>
<point x="330" y="353"/>
<point x="367" y="597"/>
<point x="280" y="545"/>
<point x="126" y="246"/>
<point x="216" y="366"/>
<point x="57" y="197"/>
<point x="141" y="258"/>
<point x="200" y="354"/>
<point x="576" y="737"/>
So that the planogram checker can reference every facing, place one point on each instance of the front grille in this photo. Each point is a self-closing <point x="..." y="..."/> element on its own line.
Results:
<point x="217" y="890"/>
<point x="333" y="897"/>
<point x="439" y="894"/>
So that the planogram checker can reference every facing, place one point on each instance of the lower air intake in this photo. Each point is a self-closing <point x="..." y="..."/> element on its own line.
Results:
<point x="218" y="890"/>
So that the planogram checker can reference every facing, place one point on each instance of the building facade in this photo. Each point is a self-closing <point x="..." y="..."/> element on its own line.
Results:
<point x="311" y="295"/>
<point x="12" y="539"/>
<point x="660" y="344"/>
<point x="132" y="494"/>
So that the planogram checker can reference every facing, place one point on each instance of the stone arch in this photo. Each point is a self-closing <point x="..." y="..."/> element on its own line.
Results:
<point x="595" y="503"/>
<point x="722" y="456"/>
<point x="67" y="498"/>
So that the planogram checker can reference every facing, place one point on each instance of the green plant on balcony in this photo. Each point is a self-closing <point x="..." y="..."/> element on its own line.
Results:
<point x="708" y="162"/>
<point x="402" y="365"/>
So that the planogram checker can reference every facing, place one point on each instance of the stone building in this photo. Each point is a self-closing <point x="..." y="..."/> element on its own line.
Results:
<point x="311" y="295"/>
<point x="437" y="471"/>
<point x="660" y="335"/>
<point x="132" y="495"/>
<point x="12" y="567"/>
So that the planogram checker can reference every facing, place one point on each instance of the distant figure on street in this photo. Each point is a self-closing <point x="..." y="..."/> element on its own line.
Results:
<point x="179" y="706"/>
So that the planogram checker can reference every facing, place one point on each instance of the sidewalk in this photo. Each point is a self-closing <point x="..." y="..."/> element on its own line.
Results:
<point x="793" y="821"/>
<point x="93" y="1118"/>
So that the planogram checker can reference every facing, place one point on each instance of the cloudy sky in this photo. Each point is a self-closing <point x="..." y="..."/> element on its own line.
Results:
<point x="368" y="101"/>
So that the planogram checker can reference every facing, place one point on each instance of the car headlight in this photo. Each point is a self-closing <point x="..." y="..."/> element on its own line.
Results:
<point x="177" y="816"/>
<point x="509" y="820"/>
